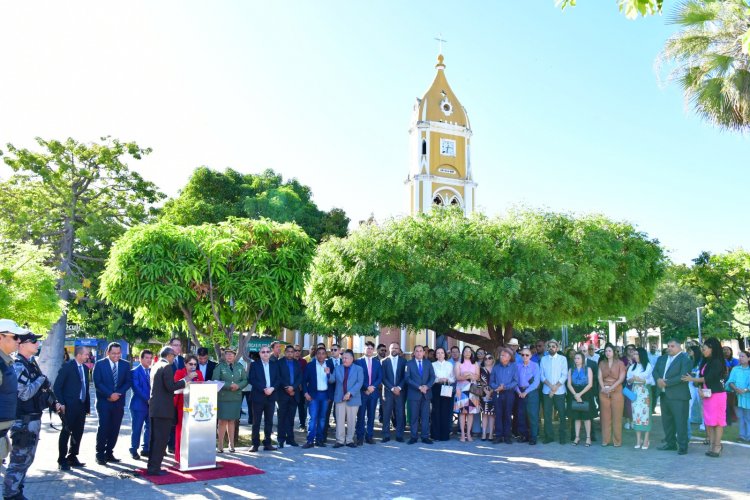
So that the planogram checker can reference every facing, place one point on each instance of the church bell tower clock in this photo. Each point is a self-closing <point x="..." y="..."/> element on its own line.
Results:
<point x="440" y="159"/>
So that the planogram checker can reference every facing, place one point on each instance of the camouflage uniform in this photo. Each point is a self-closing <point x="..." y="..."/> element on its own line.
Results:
<point x="25" y="430"/>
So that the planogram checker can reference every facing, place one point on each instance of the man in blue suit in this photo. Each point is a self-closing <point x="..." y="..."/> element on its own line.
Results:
<point x="264" y="377"/>
<point x="289" y="396"/>
<point x="419" y="377"/>
<point x="317" y="394"/>
<point x="112" y="381"/>
<point x="373" y="373"/>
<point x="72" y="392"/>
<point x="141" y="377"/>
<point x="347" y="398"/>
<point x="394" y="388"/>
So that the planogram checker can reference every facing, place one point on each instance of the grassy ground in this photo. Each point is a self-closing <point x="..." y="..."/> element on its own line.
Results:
<point x="731" y="433"/>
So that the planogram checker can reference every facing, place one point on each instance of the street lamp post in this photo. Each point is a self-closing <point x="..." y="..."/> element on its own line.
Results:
<point x="613" y="328"/>
<point x="698" y="313"/>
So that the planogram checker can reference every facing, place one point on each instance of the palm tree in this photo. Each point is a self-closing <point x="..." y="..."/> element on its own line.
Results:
<point x="710" y="65"/>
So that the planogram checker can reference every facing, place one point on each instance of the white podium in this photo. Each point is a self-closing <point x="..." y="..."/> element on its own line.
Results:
<point x="198" y="439"/>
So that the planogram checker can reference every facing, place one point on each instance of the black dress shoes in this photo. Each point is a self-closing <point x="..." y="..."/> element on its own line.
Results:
<point x="532" y="442"/>
<point x="73" y="462"/>
<point x="63" y="466"/>
<point x="508" y="441"/>
<point x="352" y="445"/>
<point x="135" y="456"/>
<point x="321" y="444"/>
<point x="427" y="440"/>
<point x="682" y="451"/>
<point x="412" y="441"/>
<point x="111" y="458"/>
<point x="307" y="446"/>
<point x="399" y="440"/>
<point x="292" y="443"/>
<point x="370" y="441"/>
<point x="385" y="440"/>
<point x="360" y="442"/>
<point x="101" y="460"/>
<point x="497" y="440"/>
<point x="156" y="473"/>
<point x="667" y="447"/>
<point x="269" y="447"/>
<point x="254" y="449"/>
<point x="338" y="445"/>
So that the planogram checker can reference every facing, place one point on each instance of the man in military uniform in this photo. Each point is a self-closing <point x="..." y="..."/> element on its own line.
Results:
<point x="9" y="332"/>
<point x="33" y="392"/>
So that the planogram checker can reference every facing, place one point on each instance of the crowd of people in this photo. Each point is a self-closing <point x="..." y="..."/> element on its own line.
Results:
<point x="504" y="391"/>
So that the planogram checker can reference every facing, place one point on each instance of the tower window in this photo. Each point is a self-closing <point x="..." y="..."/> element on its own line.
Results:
<point x="438" y="200"/>
<point x="424" y="147"/>
<point x="454" y="202"/>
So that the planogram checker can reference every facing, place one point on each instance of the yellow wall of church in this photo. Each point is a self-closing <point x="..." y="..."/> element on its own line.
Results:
<point x="458" y="162"/>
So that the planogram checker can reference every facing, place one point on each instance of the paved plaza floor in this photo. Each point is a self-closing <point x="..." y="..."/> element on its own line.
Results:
<point x="399" y="470"/>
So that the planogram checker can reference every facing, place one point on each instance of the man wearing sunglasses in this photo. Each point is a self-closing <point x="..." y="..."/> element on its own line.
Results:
<point x="9" y="332"/>
<point x="265" y="380"/>
<point x="32" y="401"/>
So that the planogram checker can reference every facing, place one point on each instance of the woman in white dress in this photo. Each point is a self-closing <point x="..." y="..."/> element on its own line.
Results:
<point x="639" y="375"/>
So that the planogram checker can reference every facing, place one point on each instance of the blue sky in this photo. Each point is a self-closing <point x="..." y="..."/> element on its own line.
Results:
<point x="567" y="109"/>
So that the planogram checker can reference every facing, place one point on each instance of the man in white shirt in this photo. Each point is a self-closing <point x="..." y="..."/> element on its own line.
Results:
<point x="553" y="370"/>
<point x="333" y="362"/>
<point x="591" y="354"/>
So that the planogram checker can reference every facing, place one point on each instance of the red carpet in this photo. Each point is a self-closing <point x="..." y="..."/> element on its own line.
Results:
<point x="226" y="468"/>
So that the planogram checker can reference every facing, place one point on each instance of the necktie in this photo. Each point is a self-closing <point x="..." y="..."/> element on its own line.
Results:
<point x="369" y="370"/>
<point x="83" y="382"/>
<point x="114" y="374"/>
<point x="419" y="365"/>
<point x="148" y="377"/>
<point x="346" y="376"/>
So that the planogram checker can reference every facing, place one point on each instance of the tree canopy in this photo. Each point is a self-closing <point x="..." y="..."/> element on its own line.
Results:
<point x="723" y="280"/>
<point x="211" y="196"/>
<point x="27" y="286"/>
<point x="445" y="272"/>
<point x="211" y="280"/>
<point x="75" y="198"/>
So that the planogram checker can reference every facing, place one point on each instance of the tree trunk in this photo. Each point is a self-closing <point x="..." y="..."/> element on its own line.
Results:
<point x="51" y="357"/>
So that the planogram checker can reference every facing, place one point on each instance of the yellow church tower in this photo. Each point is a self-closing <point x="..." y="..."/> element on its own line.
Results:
<point x="440" y="160"/>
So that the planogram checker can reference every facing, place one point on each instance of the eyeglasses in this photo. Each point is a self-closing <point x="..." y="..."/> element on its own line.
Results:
<point x="488" y="358"/>
<point x="265" y="352"/>
<point x="192" y="364"/>
<point x="297" y="350"/>
<point x="334" y="350"/>
<point x="526" y="355"/>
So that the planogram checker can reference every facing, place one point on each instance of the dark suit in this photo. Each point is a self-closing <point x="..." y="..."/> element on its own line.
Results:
<point x="393" y="402"/>
<point x="419" y="404"/>
<point x="139" y="409"/>
<point x="318" y="403"/>
<point x="161" y="410"/>
<point x="210" y="365"/>
<point x="177" y="364"/>
<point x="369" y="401"/>
<point x="675" y="400"/>
<point x="110" y="412"/>
<point x="288" y="404"/>
<point x="67" y="390"/>
<point x="263" y="405"/>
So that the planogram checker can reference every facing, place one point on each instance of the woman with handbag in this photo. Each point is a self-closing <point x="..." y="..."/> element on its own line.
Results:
<point x="486" y="405"/>
<point x="466" y="403"/>
<point x="442" y="397"/>
<point x="711" y="378"/>
<point x="611" y="377"/>
<point x="580" y="384"/>
<point x="641" y="380"/>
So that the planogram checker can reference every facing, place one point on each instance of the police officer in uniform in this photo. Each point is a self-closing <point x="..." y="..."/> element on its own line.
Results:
<point x="9" y="332"/>
<point x="33" y="393"/>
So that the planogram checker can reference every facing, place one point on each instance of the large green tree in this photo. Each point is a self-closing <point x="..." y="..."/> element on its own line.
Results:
<point x="212" y="280"/>
<point x="710" y="64"/>
<point x="213" y="196"/>
<point x="723" y="280"/>
<point x="673" y="309"/>
<point x="450" y="273"/>
<point x="74" y="198"/>
<point x="27" y="286"/>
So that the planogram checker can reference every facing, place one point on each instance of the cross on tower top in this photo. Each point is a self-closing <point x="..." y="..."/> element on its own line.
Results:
<point x="440" y="41"/>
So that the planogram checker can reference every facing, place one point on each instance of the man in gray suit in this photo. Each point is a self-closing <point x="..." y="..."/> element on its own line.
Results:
<point x="347" y="398"/>
<point x="675" y="396"/>
<point x="419" y="379"/>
